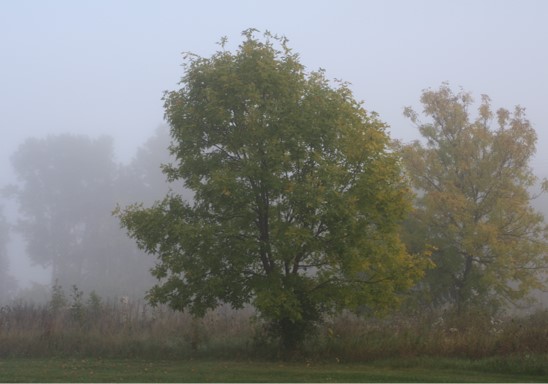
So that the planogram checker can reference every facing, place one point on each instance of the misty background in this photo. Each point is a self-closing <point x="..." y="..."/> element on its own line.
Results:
<point x="86" y="79"/>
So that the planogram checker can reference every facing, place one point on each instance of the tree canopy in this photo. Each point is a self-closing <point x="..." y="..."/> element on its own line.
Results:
<point x="297" y="197"/>
<point x="473" y="207"/>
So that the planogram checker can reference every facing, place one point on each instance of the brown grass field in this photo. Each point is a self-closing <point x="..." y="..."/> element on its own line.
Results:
<point x="95" y="336"/>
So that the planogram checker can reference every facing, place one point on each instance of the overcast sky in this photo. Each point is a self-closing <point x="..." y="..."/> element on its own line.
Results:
<point x="101" y="66"/>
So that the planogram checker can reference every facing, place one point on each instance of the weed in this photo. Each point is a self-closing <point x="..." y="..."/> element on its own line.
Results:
<point x="77" y="306"/>
<point x="91" y="327"/>
<point x="58" y="298"/>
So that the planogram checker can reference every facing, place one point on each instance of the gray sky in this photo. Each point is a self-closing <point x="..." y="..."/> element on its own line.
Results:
<point x="101" y="66"/>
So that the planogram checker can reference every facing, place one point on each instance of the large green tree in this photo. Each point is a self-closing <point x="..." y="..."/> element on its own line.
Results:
<point x="473" y="180"/>
<point x="297" y="198"/>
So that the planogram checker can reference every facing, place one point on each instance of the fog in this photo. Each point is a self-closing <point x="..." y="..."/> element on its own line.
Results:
<point x="93" y="74"/>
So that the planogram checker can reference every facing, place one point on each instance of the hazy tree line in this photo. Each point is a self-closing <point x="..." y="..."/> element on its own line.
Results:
<point x="288" y="195"/>
<point x="67" y="187"/>
<point x="7" y="283"/>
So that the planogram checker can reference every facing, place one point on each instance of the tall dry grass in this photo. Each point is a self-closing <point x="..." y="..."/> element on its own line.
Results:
<point x="111" y="329"/>
<point x="92" y="328"/>
<point x="473" y="335"/>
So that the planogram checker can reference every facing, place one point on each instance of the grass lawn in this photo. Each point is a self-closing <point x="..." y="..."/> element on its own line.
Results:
<point x="140" y="370"/>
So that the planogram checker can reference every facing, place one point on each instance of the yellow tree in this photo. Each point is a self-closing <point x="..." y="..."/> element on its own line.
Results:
<point x="473" y="207"/>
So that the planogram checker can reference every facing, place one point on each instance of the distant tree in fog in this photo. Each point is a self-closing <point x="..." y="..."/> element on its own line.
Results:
<point x="68" y="189"/>
<point x="473" y="207"/>
<point x="142" y="180"/>
<point x="65" y="186"/>
<point x="7" y="282"/>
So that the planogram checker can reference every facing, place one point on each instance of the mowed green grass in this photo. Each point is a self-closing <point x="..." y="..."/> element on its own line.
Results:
<point x="141" y="370"/>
